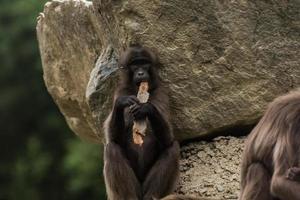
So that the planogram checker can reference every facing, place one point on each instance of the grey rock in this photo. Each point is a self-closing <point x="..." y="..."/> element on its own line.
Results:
<point x="69" y="46"/>
<point x="223" y="61"/>
<point x="98" y="93"/>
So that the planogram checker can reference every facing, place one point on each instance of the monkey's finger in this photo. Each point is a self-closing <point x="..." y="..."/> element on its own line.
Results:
<point x="131" y="102"/>
<point x="291" y="174"/>
<point x="290" y="177"/>
<point x="296" y="169"/>
<point x="135" y="99"/>
<point x="135" y="108"/>
<point x="290" y="170"/>
<point x="131" y="107"/>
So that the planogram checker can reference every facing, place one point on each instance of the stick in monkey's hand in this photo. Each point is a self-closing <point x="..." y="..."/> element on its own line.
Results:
<point x="139" y="127"/>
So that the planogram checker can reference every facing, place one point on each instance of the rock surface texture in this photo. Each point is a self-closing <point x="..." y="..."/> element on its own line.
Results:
<point x="223" y="61"/>
<point x="211" y="169"/>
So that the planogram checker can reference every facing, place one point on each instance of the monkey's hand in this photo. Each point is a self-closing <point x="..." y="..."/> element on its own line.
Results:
<point x="140" y="111"/>
<point x="293" y="174"/>
<point x="125" y="101"/>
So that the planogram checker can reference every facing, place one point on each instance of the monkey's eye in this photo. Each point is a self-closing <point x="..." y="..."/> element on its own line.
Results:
<point x="146" y="67"/>
<point x="133" y="67"/>
<point x="140" y="61"/>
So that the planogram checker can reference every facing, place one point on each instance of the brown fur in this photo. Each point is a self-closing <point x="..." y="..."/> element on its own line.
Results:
<point x="271" y="149"/>
<point x="130" y="171"/>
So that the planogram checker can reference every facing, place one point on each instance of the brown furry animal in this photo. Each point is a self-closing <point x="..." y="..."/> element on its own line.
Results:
<point x="270" y="165"/>
<point x="131" y="171"/>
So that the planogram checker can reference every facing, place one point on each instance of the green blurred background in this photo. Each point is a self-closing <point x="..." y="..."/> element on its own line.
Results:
<point x="40" y="157"/>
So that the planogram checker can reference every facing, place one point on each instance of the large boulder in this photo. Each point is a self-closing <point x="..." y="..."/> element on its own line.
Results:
<point x="70" y="42"/>
<point x="223" y="61"/>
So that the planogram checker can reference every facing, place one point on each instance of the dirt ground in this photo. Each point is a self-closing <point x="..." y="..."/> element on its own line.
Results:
<point x="211" y="169"/>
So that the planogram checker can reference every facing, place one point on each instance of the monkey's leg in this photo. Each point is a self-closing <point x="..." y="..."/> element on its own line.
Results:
<point x="120" y="180"/>
<point x="257" y="183"/>
<point x="162" y="177"/>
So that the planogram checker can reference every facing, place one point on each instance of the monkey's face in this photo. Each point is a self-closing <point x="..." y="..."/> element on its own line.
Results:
<point x="140" y="65"/>
<point x="140" y="71"/>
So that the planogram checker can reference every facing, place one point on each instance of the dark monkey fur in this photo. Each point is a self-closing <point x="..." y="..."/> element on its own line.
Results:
<point x="132" y="172"/>
<point x="270" y="165"/>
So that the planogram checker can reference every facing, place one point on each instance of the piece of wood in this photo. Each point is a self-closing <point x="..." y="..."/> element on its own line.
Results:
<point x="139" y="127"/>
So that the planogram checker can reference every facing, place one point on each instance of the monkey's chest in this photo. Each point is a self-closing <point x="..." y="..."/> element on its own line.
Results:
<point x="142" y="157"/>
<point x="146" y="151"/>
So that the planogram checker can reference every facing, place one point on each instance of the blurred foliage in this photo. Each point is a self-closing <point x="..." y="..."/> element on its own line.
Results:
<point x="40" y="157"/>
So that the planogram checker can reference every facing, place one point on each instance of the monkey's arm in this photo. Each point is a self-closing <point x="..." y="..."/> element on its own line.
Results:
<point x="159" y="116"/>
<point x="116" y="123"/>
<point x="293" y="174"/>
<point x="281" y="186"/>
<point x="284" y="188"/>
<point x="160" y="125"/>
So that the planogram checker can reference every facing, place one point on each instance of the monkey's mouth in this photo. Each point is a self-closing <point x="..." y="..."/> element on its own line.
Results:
<point x="139" y="60"/>
<point x="140" y="80"/>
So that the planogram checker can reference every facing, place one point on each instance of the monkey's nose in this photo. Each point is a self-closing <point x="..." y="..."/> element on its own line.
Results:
<point x="140" y="73"/>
